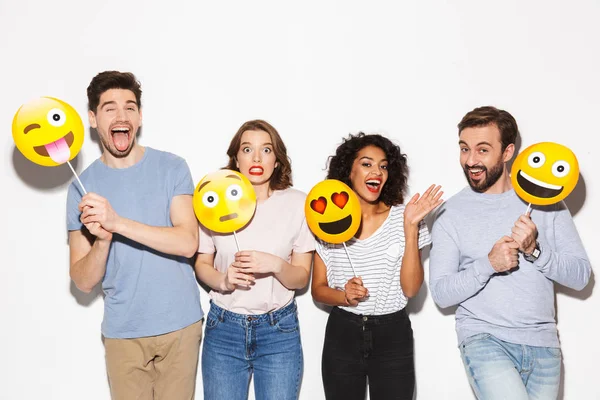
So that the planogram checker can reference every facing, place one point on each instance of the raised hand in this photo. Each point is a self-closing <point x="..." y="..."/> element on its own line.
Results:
<point x="419" y="206"/>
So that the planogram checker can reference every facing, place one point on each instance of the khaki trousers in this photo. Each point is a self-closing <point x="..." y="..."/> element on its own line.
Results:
<point x="154" y="368"/>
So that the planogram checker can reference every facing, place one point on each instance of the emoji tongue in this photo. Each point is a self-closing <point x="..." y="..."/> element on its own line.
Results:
<point x="58" y="151"/>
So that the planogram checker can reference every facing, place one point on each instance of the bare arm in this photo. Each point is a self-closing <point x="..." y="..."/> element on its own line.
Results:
<point x="219" y="281"/>
<point x="181" y="239"/>
<point x="292" y="275"/>
<point x="321" y="292"/>
<point x="296" y="273"/>
<point x="87" y="258"/>
<point x="411" y="272"/>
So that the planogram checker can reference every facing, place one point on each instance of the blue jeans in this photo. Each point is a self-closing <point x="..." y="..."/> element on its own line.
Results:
<point x="237" y="345"/>
<point x="502" y="370"/>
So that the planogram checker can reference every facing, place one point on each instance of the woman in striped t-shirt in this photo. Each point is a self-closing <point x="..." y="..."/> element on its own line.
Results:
<point x="368" y="333"/>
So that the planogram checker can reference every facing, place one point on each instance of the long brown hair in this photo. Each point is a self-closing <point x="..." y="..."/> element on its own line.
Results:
<point x="282" y="174"/>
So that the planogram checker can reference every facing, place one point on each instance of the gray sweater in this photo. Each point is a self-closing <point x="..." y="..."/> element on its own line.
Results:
<point x="516" y="306"/>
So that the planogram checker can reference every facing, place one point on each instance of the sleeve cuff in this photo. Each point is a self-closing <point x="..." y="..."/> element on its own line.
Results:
<point x="545" y="256"/>
<point x="484" y="269"/>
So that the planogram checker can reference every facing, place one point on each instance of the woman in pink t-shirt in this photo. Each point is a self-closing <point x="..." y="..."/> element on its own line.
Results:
<point x="368" y="334"/>
<point x="252" y="325"/>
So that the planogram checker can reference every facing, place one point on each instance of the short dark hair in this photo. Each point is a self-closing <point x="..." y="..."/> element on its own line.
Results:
<point x="488" y="115"/>
<point x="282" y="175"/>
<point x="112" y="80"/>
<point x="340" y="165"/>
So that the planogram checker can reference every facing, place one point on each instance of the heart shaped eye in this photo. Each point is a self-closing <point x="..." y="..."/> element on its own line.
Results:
<point x="340" y="199"/>
<point x="319" y="205"/>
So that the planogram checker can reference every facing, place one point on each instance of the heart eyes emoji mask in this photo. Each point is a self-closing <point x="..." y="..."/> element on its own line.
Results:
<point x="332" y="211"/>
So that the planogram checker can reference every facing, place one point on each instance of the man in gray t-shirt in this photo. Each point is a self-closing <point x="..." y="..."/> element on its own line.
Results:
<point x="499" y="265"/>
<point x="134" y="232"/>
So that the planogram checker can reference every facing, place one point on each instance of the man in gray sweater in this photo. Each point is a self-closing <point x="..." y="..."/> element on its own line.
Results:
<point x="499" y="266"/>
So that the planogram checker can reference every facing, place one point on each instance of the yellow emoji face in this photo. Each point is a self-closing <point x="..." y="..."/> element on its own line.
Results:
<point x="332" y="211"/>
<point x="545" y="173"/>
<point x="224" y="201"/>
<point x="48" y="131"/>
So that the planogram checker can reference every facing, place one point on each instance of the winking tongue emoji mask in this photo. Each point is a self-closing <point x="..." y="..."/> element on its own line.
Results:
<point x="48" y="131"/>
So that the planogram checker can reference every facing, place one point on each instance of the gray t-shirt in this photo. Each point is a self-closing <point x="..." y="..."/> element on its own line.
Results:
<point x="516" y="306"/>
<point x="147" y="293"/>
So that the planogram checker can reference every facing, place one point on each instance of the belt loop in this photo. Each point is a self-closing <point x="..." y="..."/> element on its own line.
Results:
<point x="222" y="316"/>
<point x="272" y="319"/>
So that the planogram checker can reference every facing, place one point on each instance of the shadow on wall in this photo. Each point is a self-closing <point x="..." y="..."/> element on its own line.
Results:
<point x="575" y="200"/>
<point x="49" y="179"/>
<point x="85" y="299"/>
<point x="40" y="177"/>
<point x="580" y="295"/>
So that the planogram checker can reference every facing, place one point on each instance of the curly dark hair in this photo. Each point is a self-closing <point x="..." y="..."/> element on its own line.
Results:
<point x="340" y="165"/>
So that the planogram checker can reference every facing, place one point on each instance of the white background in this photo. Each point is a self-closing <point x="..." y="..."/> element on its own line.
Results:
<point x="317" y="71"/>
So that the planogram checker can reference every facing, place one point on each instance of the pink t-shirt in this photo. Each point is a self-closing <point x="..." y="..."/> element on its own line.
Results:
<point x="279" y="228"/>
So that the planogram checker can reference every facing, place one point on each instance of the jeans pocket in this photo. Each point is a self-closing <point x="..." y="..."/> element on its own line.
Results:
<point x="288" y="323"/>
<point x="212" y="321"/>
<point x="554" y="351"/>
<point x="474" y="338"/>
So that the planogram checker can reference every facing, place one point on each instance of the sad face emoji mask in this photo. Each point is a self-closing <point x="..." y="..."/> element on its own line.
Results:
<point x="224" y="201"/>
<point x="544" y="173"/>
<point x="48" y="131"/>
<point x="332" y="211"/>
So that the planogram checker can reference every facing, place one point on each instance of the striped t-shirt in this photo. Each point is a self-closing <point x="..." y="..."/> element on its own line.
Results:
<point x="377" y="260"/>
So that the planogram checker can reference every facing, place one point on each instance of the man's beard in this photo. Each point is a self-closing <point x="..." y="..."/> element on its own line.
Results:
<point x="491" y="176"/>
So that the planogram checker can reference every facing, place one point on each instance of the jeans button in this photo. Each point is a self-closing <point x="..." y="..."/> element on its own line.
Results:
<point x="249" y="319"/>
<point x="365" y="318"/>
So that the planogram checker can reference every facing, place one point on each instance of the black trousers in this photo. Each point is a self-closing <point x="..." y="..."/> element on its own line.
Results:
<point x="378" y="347"/>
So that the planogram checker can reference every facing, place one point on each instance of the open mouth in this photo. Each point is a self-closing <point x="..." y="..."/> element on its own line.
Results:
<point x="120" y="137"/>
<point x="228" y="217"/>
<point x="59" y="150"/>
<point x="373" y="185"/>
<point x="336" y="227"/>
<point x="536" y="187"/>
<point x="256" y="170"/>
<point x="476" y="172"/>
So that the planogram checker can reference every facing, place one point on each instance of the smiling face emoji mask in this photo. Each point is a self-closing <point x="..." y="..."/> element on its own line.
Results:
<point x="224" y="201"/>
<point x="48" y="131"/>
<point x="332" y="211"/>
<point x="545" y="173"/>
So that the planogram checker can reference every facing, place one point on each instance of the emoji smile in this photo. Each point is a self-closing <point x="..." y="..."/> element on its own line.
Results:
<point x="228" y="217"/>
<point x="59" y="150"/>
<point x="536" y="187"/>
<point x="336" y="227"/>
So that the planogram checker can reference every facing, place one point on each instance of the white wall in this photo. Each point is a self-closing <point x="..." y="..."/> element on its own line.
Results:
<point x="318" y="71"/>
